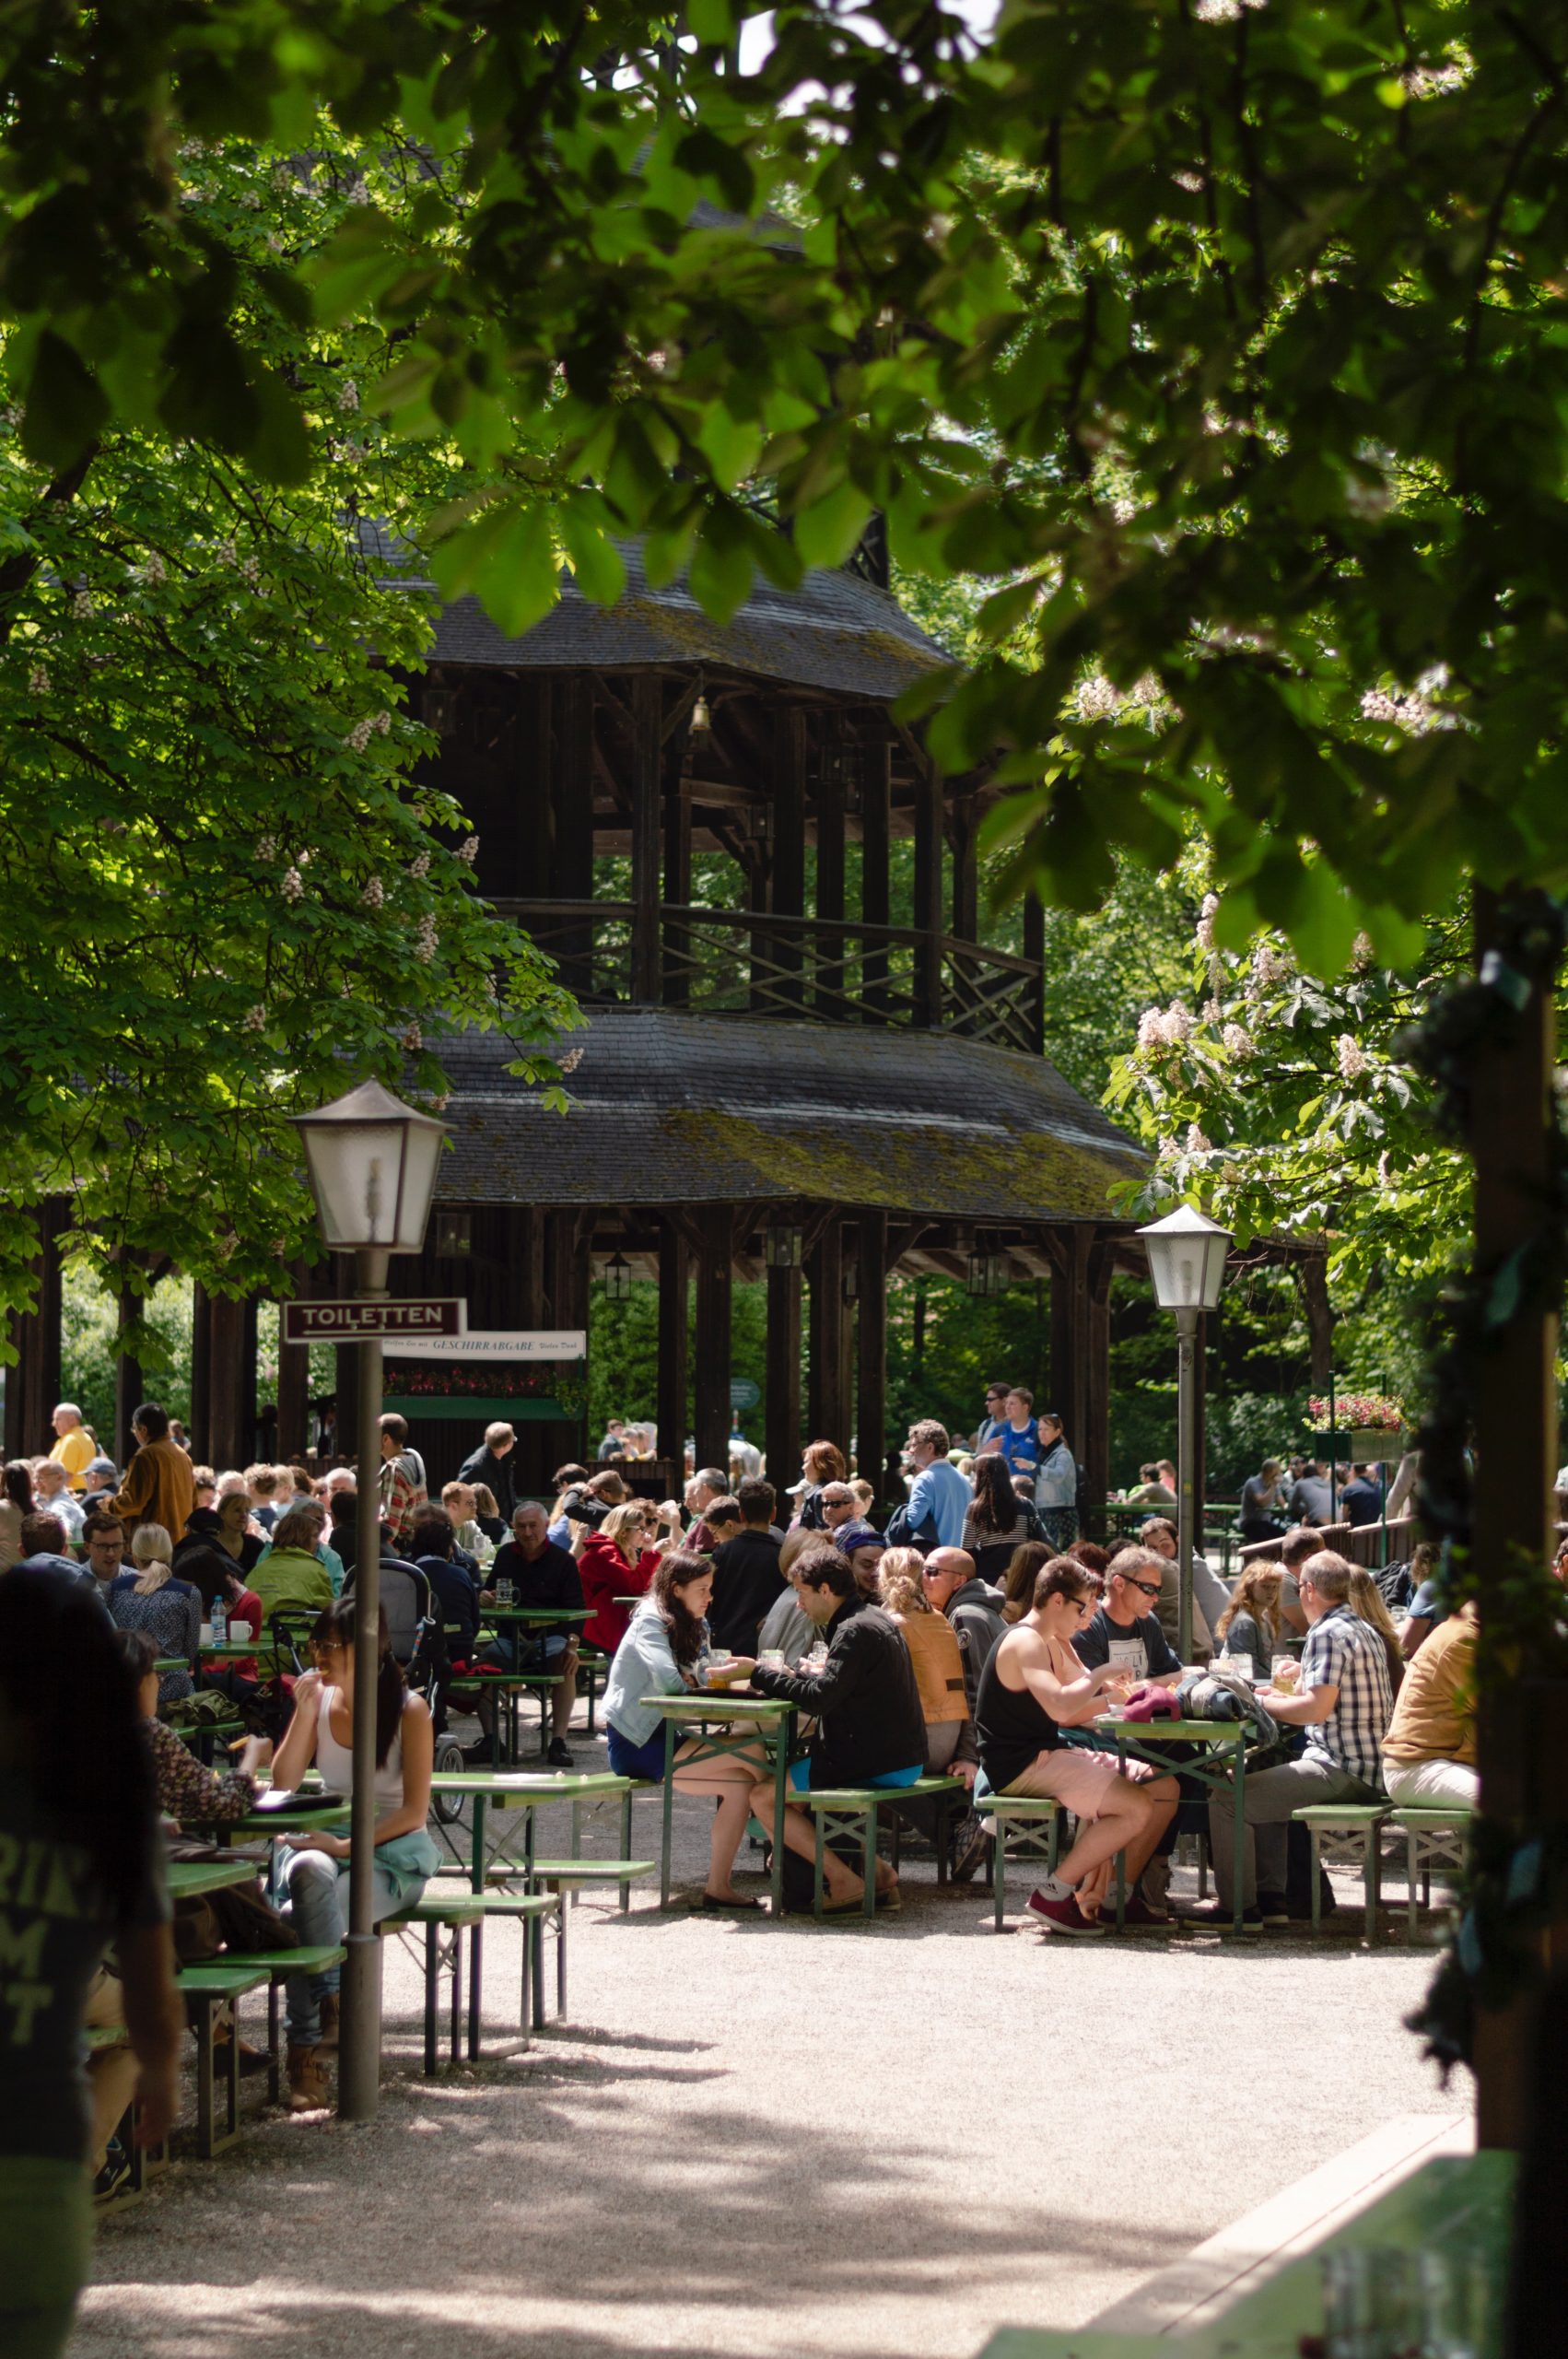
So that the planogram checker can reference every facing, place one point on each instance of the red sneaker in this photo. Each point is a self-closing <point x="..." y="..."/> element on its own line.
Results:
<point x="1061" y="1916"/>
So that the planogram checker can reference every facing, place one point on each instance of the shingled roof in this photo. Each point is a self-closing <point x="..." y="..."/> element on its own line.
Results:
<point x="676" y="1109"/>
<point x="836" y="631"/>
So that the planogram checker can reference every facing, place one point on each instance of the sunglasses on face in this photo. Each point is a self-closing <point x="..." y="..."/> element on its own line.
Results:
<point x="1150" y="1588"/>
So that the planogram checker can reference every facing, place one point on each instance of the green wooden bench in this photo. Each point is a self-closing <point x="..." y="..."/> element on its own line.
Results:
<point x="852" y="1812"/>
<point x="445" y="1918"/>
<point x="569" y="1877"/>
<point x="1027" y="1834"/>
<point x="1356" y="1830"/>
<point x="1435" y="1836"/>
<point x="592" y="1665"/>
<point x="505" y="1690"/>
<point x="212" y="1989"/>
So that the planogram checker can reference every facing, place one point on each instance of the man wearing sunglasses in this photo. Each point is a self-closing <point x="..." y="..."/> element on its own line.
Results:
<point x="1127" y="1629"/>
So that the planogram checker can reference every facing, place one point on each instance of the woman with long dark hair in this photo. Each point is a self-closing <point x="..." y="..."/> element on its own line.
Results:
<point x="77" y="1803"/>
<point x="16" y="1501"/>
<point x="1018" y="1581"/>
<point x="665" y="1652"/>
<point x="997" y="1521"/>
<point x="311" y="1873"/>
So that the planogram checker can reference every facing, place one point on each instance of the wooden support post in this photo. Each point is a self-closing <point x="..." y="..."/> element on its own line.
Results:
<point x="127" y="1379"/>
<point x="566" y="1246"/>
<point x="1091" y="1445"/>
<point x="829" y="995"/>
<point x="1515" y="1458"/>
<point x="965" y="879"/>
<point x="231" y="1383"/>
<point x="875" y="903"/>
<point x="341" y="1286"/>
<point x="826" y="1408"/>
<point x="789" y="893"/>
<point x="571" y="783"/>
<point x="677" y="978"/>
<point x="646" y="778"/>
<point x="781" y="1438"/>
<point x="200" y="1374"/>
<point x="32" y="1382"/>
<point x="1035" y="948"/>
<point x="674" y="1274"/>
<point x="928" y="836"/>
<point x="293" y="1375"/>
<point x="710" y="1421"/>
<point x="1069" y="1335"/>
<point x="870" y="1367"/>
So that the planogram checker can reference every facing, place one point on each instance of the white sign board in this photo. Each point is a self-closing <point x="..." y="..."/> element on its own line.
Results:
<point x="500" y="1343"/>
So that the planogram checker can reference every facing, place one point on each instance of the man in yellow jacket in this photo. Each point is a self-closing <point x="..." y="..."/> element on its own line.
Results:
<point x="158" y="1485"/>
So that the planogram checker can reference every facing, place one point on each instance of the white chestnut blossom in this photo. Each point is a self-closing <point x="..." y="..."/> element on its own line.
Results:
<point x="1268" y="968"/>
<point x="1352" y="1057"/>
<point x="348" y="394"/>
<point x="81" y="604"/>
<point x="571" y="1061"/>
<point x="360" y="736"/>
<point x="1196" y="1142"/>
<point x="374" y="894"/>
<point x="1239" y="1040"/>
<point x="256" y="1018"/>
<point x="293" y="885"/>
<point x="427" y="941"/>
<point x="1165" y="1027"/>
<point x="266" y="848"/>
<point x="413" y="1037"/>
<point x="1206" y="920"/>
<point x="420" y="867"/>
<point x="38" y="680"/>
<point x="151" y="570"/>
<point x="468" y="850"/>
<point x="1097" y="699"/>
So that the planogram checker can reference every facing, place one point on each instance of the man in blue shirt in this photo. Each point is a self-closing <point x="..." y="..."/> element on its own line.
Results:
<point x="939" y="1496"/>
<point x="1360" y="1501"/>
<point x="1019" y="1438"/>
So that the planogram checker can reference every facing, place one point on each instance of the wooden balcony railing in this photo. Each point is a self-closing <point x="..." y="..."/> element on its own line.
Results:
<point x="743" y="962"/>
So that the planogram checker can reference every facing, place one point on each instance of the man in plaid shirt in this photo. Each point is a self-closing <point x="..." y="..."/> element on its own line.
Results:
<point x="1344" y="1702"/>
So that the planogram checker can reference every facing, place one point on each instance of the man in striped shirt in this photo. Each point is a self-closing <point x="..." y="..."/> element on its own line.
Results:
<point x="1344" y="1701"/>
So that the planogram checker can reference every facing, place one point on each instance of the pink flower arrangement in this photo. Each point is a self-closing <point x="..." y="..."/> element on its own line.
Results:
<point x="1356" y="1412"/>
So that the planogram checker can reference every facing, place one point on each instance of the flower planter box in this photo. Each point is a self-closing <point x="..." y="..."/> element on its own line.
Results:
<point x="1364" y="1442"/>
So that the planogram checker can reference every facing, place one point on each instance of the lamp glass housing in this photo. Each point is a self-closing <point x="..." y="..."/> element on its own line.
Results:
<point x="784" y="1246"/>
<point x="618" y="1277"/>
<point x="372" y="1163"/>
<point x="1187" y="1258"/>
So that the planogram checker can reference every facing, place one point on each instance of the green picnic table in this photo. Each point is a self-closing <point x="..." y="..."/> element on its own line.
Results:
<point x="171" y="1662"/>
<point x="1223" y="1747"/>
<point x="723" y="1724"/>
<point x="188" y="1877"/>
<point x="1460" y="2204"/>
<point x="244" y="1652"/>
<point x="549" y="1613"/>
<point x="527" y="1792"/>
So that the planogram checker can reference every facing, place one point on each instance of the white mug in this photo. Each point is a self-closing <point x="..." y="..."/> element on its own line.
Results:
<point x="239" y="1631"/>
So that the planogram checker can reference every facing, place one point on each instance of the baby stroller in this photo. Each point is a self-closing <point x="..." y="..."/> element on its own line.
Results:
<point x="420" y="1642"/>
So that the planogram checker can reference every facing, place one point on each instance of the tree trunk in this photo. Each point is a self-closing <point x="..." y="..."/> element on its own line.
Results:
<point x="1312" y="1278"/>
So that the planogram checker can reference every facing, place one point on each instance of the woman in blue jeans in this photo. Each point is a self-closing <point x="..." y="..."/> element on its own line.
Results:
<point x="665" y="1652"/>
<point x="311" y="1873"/>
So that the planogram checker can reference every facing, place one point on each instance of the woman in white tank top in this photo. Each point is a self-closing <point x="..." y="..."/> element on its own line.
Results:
<point x="311" y="1870"/>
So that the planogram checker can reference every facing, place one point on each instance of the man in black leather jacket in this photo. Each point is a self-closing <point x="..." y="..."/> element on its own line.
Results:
<point x="871" y="1730"/>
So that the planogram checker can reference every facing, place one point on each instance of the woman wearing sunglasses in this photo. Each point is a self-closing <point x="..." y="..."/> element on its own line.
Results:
<point x="1033" y="1689"/>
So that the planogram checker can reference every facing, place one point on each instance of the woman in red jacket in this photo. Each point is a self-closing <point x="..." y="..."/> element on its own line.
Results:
<point x="619" y="1560"/>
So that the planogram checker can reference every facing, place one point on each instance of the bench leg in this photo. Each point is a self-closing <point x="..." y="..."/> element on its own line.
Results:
<point x="1413" y="1870"/>
<point x="943" y="1844"/>
<point x="525" y="2000"/>
<point x="432" y="1972"/>
<point x="454" y="1967"/>
<point x="274" y="2075"/>
<point x="1053" y="1844"/>
<point x="561" y="1959"/>
<point x="1372" y="1888"/>
<point x="534" y="1933"/>
<point x="626" y="1849"/>
<point x="816" y="1887"/>
<point x="207" y="2024"/>
<point x="1316" y="1882"/>
<point x="231" y="2076"/>
<point x="868" y="1863"/>
<point x="475" y="1991"/>
<point x="999" y="1873"/>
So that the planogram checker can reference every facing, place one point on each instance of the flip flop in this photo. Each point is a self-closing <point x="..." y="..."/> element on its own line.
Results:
<point x="710" y="1900"/>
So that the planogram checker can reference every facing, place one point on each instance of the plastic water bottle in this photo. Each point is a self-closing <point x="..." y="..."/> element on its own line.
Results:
<point x="220" y="1622"/>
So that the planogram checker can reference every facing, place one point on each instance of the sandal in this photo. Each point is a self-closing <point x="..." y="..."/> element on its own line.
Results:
<point x="711" y="1900"/>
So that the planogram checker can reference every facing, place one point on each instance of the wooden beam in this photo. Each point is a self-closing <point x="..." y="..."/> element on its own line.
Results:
<point x="871" y="1359"/>
<point x="1069" y="1337"/>
<point x="674" y="1269"/>
<point x="231" y="1383"/>
<point x="32" y="1382"/>
<point x="646" y="781"/>
<point x="928" y="840"/>
<point x="293" y="1395"/>
<point x="966" y="913"/>
<point x="827" y="1408"/>
<point x="711" y="1422"/>
<point x="875" y="899"/>
<point x="572" y="789"/>
<point x="1035" y="948"/>
<point x="832" y="754"/>
<point x="782" y="1432"/>
<point x="789" y="879"/>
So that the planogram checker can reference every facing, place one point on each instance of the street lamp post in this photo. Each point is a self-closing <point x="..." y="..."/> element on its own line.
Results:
<point x="1186" y="1261"/>
<point x="372" y="1165"/>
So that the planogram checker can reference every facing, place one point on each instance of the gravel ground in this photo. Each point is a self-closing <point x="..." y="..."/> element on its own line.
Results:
<point x="758" y="2139"/>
